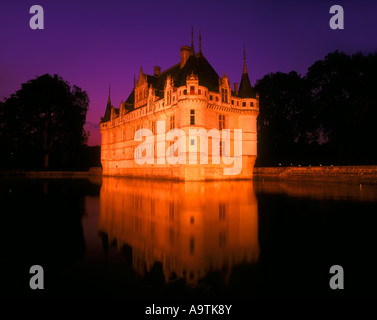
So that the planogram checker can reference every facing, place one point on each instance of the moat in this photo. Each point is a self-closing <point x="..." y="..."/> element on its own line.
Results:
<point x="138" y="239"/>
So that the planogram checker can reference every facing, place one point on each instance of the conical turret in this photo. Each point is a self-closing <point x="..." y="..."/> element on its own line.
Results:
<point x="107" y="115"/>
<point x="246" y="90"/>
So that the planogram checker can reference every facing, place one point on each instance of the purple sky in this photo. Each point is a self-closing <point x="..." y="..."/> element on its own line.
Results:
<point x="96" y="43"/>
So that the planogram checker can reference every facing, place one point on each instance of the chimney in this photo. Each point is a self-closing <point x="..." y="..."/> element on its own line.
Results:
<point x="185" y="53"/>
<point x="157" y="71"/>
<point x="236" y="88"/>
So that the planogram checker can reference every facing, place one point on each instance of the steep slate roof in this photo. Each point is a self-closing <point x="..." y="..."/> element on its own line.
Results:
<point x="130" y="102"/>
<point x="246" y="90"/>
<point x="197" y="64"/>
<point x="107" y="115"/>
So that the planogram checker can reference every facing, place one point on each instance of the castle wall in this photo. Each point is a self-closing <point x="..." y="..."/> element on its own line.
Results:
<point x="119" y="145"/>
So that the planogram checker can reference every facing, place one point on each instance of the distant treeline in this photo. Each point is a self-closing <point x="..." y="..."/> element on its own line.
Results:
<point x="326" y="117"/>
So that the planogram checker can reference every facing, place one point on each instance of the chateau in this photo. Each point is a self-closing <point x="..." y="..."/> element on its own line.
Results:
<point x="194" y="126"/>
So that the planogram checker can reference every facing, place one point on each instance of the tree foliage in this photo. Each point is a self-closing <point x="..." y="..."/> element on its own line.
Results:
<point x="42" y="124"/>
<point x="325" y="117"/>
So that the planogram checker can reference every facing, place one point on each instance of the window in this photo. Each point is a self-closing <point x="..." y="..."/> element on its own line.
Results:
<point x="233" y="102"/>
<point x="244" y="104"/>
<point x="221" y="121"/>
<point x="210" y="97"/>
<point x="238" y="103"/>
<point x="172" y="122"/>
<point x="168" y="97"/>
<point x="217" y="99"/>
<point x="221" y="148"/>
<point x="137" y="153"/>
<point x="192" y="90"/>
<point x="192" y="117"/>
<point x="136" y="133"/>
<point x="224" y="95"/>
<point x="185" y="92"/>
<point x="199" y="91"/>
<point x="192" y="142"/>
<point x="153" y="127"/>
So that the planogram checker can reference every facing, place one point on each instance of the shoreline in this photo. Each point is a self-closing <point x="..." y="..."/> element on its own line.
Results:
<point x="340" y="174"/>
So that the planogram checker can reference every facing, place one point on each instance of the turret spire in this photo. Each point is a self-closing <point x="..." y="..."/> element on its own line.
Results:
<point x="192" y="40"/>
<point x="200" y="41"/>
<point x="107" y="115"/>
<point x="246" y="90"/>
<point x="244" y="59"/>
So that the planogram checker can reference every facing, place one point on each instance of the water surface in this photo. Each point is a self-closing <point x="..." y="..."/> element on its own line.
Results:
<point x="131" y="238"/>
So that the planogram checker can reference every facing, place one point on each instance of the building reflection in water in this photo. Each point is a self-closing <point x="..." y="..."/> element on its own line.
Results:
<point x="191" y="228"/>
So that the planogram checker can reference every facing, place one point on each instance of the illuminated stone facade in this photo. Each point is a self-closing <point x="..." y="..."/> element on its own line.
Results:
<point x="189" y="95"/>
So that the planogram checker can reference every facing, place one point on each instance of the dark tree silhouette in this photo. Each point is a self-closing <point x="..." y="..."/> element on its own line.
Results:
<point x="326" y="117"/>
<point x="343" y="93"/>
<point x="283" y="119"/>
<point x="42" y="123"/>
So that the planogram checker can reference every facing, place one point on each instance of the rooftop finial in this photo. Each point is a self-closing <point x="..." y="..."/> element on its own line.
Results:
<point x="244" y="59"/>
<point x="109" y="100"/>
<point x="200" y="41"/>
<point x="192" y="36"/>
<point x="192" y="40"/>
